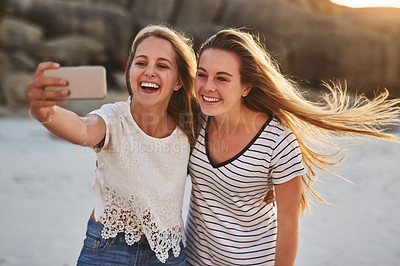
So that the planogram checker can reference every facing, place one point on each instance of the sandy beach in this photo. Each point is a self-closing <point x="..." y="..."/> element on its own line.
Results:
<point x="46" y="199"/>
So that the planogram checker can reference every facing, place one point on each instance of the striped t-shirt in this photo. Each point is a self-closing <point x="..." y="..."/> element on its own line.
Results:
<point x="229" y="223"/>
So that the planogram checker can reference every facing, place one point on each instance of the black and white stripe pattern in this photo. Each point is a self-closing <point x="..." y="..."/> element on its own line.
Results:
<point x="228" y="221"/>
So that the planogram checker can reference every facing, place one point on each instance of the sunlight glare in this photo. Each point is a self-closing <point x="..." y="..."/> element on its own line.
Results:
<point x="368" y="3"/>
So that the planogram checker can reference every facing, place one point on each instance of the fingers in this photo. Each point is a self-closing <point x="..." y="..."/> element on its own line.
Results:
<point x="45" y="104"/>
<point x="47" y="94"/>
<point x="270" y="197"/>
<point x="39" y="94"/>
<point x="45" y="65"/>
<point x="38" y="81"/>
<point x="36" y="88"/>
<point x="41" y="82"/>
<point x="41" y="100"/>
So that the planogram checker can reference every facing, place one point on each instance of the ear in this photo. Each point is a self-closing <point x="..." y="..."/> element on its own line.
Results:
<point x="178" y="86"/>
<point x="246" y="90"/>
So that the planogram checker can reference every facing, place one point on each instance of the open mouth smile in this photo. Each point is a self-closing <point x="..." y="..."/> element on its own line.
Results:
<point x="210" y="99"/>
<point x="149" y="87"/>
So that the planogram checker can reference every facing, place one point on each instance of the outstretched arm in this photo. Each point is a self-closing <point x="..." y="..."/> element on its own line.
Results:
<point x="85" y="131"/>
<point x="288" y="198"/>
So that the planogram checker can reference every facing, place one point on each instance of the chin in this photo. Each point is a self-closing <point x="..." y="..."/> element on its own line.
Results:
<point x="209" y="112"/>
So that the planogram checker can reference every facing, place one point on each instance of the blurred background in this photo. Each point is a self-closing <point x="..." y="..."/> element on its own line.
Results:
<point x="312" y="40"/>
<point x="45" y="195"/>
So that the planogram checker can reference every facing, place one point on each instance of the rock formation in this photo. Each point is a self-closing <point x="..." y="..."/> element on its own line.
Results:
<point x="313" y="40"/>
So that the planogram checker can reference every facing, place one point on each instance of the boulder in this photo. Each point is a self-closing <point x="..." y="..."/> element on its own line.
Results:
<point x="146" y="12"/>
<point x="316" y="47"/>
<point x="16" y="60"/>
<point x="200" y="31"/>
<point x="384" y="20"/>
<point x="23" y="61"/>
<point x="119" y="3"/>
<point x="312" y="40"/>
<point x="110" y="24"/>
<point x="72" y="50"/>
<point x="5" y="63"/>
<point x="14" y="87"/>
<point x="16" y="33"/>
<point x="200" y="18"/>
<point x="384" y="23"/>
<point x="319" y="6"/>
<point x="199" y="11"/>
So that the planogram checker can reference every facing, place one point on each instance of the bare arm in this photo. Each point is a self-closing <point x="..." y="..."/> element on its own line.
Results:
<point x="288" y="197"/>
<point x="85" y="131"/>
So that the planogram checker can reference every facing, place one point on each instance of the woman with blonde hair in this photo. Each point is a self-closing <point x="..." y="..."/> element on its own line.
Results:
<point x="142" y="147"/>
<point x="259" y="132"/>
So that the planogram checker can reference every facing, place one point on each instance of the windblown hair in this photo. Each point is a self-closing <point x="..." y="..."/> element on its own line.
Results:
<point x="315" y="124"/>
<point x="183" y="105"/>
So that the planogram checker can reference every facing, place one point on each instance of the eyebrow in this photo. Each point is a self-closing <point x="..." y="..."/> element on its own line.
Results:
<point x="219" y="72"/>
<point x="160" y="58"/>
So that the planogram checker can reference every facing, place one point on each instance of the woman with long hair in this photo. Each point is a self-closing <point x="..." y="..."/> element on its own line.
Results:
<point x="259" y="132"/>
<point x="142" y="147"/>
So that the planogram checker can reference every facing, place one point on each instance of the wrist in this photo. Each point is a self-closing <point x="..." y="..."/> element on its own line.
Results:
<point x="46" y="119"/>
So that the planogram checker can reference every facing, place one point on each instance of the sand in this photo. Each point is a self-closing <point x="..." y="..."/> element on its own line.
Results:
<point x="46" y="199"/>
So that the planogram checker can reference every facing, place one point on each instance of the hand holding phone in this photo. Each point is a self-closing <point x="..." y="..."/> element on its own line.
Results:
<point x="84" y="82"/>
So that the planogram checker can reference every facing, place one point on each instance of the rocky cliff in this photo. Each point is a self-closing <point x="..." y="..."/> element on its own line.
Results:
<point x="313" y="40"/>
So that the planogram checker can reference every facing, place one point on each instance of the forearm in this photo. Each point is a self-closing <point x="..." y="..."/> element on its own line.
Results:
<point x="288" y="199"/>
<point x="286" y="245"/>
<point x="44" y="106"/>
<point x="67" y="125"/>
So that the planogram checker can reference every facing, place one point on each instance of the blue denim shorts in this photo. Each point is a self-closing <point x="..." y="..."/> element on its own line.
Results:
<point x="114" y="251"/>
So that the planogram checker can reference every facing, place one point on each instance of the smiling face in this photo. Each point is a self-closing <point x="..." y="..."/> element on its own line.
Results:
<point x="153" y="73"/>
<point x="218" y="83"/>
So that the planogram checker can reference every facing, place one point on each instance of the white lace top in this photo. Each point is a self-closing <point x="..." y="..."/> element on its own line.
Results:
<point x="140" y="182"/>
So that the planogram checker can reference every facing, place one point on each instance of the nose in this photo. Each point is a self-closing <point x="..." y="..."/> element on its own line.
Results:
<point x="150" y="72"/>
<point x="208" y="85"/>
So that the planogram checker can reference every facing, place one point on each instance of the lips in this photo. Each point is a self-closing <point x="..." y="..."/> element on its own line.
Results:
<point x="149" y="86"/>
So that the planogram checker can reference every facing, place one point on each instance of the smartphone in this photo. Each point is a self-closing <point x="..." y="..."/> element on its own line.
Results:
<point x="84" y="82"/>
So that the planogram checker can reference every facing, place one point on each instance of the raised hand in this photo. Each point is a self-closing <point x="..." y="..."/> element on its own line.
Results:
<point x="42" y="103"/>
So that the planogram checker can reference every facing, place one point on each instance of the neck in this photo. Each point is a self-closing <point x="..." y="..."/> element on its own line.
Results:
<point x="227" y="124"/>
<point x="246" y="122"/>
<point x="153" y="121"/>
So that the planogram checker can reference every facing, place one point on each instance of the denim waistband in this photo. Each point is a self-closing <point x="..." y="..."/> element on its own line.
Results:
<point x="94" y="229"/>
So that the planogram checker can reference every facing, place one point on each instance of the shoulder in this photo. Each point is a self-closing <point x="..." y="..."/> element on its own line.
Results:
<point x="113" y="109"/>
<point x="180" y="137"/>
<point x="279" y="132"/>
<point x="275" y="128"/>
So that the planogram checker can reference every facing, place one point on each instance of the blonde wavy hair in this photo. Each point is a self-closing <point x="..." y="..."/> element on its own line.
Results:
<point x="315" y="124"/>
<point x="182" y="104"/>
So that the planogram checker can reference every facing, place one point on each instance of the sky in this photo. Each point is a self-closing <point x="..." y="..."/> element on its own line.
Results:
<point x="368" y="3"/>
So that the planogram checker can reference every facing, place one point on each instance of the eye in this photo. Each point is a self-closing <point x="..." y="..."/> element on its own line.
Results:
<point x="201" y="75"/>
<point x="163" y="66"/>
<point x="222" y="79"/>
<point x="140" y="63"/>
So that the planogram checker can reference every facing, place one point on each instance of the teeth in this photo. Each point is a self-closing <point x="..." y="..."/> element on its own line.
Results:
<point x="210" y="99"/>
<point x="149" y="85"/>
